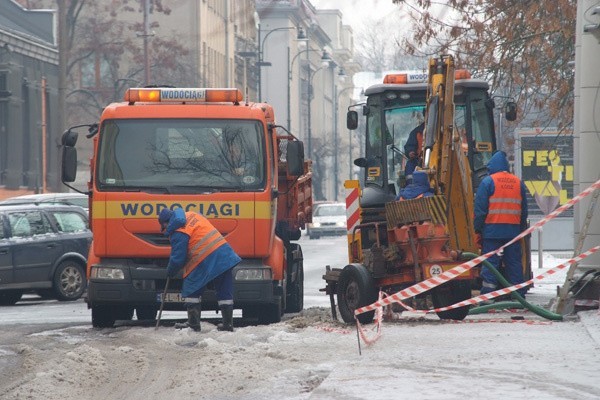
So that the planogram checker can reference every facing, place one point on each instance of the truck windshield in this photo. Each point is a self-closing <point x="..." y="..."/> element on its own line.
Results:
<point x="476" y="130"/>
<point x="396" y="124"/>
<point x="181" y="155"/>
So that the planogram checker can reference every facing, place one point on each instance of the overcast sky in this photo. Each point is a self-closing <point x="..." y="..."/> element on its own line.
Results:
<point x="354" y="11"/>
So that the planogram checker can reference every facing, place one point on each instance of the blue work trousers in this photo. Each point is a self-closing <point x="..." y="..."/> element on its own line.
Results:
<point x="511" y="260"/>
<point x="223" y="286"/>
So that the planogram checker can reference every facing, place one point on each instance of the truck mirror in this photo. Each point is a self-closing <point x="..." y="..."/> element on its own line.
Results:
<point x="361" y="162"/>
<point x="69" y="138"/>
<point x="352" y="120"/>
<point x="510" y="110"/>
<point x="295" y="158"/>
<point x="69" y="164"/>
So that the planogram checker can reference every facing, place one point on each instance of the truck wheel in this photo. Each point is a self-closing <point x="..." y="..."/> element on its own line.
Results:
<point x="10" y="297"/>
<point x="270" y="314"/>
<point x="450" y="293"/>
<point x="69" y="281"/>
<point x="146" y="312"/>
<point x="356" y="289"/>
<point x="106" y="315"/>
<point x="295" y="289"/>
<point x="103" y="317"/>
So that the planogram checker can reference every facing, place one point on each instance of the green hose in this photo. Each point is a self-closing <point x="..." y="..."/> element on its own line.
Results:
<point x="520" y="301"/>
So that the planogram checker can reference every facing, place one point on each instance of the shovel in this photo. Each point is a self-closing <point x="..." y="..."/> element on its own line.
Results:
<point x="162" y="303"/>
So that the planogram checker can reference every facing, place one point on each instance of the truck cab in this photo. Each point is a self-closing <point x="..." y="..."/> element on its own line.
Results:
<point x="395" y="107"/>
<point x="205" y="151"/>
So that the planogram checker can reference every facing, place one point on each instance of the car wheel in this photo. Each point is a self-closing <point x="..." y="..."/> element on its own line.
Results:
<point x="69" y="281"/>
<point x="10" y="297"/>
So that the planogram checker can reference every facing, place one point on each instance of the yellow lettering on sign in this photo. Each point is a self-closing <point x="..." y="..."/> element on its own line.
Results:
<point x="528" y="157"/>
<point x="564" y="198"/>
<point x="554" y="157"/>
<point x="543" y="188"/>
<point x="541" y="158"/>
<point x="569" y="173"/>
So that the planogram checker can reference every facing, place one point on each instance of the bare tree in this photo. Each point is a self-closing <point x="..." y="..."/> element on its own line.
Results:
<point x="322" y="152"/>
<point x="105" y="52"/>
<point x="523" y="48"/>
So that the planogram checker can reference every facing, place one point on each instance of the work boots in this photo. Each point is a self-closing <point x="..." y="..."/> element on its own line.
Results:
<point x="193" y="311"/>
<point x="227" y="313"/>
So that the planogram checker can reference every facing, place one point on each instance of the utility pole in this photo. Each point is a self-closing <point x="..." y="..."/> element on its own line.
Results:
<point x="145" y="35"/>
<point x="63" y="52"/>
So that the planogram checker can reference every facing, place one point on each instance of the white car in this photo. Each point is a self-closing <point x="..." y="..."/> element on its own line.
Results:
<point x="328" y="219"/>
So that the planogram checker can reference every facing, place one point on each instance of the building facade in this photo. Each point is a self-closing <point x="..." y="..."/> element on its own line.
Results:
<point x="29" y="129"/>
<point x="305" y="72"/>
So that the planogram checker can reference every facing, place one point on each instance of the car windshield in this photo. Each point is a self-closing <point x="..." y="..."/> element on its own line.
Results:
<point x="172" y="155"/>
<point x="330" y="211"/>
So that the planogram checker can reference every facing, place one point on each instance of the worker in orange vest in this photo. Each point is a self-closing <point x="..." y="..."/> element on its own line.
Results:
<point x="202" y="252"/>
<point x="500" y="215"/>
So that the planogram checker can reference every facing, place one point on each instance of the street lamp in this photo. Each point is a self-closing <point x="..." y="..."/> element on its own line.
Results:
<point x="261" y="63"/>
<point x="325" y="60"/>
<point x="336" y="97"/>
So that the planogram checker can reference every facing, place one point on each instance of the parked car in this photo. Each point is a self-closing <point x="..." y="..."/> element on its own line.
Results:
<point x="75" y="199"/>
<point x="43" y="248"/>
<point x="328" y="219"/>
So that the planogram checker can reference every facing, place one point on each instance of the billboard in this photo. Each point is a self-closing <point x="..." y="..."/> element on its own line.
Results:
<point x="546" y="161"/>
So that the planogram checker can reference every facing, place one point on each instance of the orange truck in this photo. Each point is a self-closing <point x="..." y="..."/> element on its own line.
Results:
<point x="207" y="151"/>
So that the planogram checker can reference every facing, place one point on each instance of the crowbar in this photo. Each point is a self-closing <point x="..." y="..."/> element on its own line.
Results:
<point x="162" y="303"/>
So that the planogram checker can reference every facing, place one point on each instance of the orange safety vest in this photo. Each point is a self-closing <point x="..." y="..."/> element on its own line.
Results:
<point x="505" y="203"/>
<point x="204" y="239"/>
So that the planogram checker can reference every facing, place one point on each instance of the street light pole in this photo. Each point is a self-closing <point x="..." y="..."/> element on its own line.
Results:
<point x="261" y="63"/>
<point x="337" y="103"/>
<point x="290" y="75"/>
<point x="325" y="59"/>
<point x="310" y="95"/>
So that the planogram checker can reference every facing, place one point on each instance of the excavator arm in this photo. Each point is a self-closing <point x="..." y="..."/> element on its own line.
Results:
<point x="444" y="159"/>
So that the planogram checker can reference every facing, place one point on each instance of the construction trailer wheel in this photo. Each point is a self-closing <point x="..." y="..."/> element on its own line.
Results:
<point x="355" y="289"/>
<point x="450" y="293"/>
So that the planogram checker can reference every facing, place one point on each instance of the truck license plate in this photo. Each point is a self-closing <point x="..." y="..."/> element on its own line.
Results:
<point x="175" y="298"/>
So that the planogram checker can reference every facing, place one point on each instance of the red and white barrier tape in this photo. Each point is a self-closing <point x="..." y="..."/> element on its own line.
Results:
<point x="376" y="325"/>
<point x="430" y="283"/>
<point x="508" y="290"/>
<point x="446" y="276"/>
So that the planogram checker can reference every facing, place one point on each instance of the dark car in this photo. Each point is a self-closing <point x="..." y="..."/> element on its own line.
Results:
<point x="43" y="248"/>
<point x="73" y="199"/>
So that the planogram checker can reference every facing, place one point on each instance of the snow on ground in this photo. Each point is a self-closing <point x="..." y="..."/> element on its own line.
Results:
<point x="309" y="356"/>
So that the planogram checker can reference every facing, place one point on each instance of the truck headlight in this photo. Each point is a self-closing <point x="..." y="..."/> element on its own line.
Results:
<point x="316" y="224"/>
<point x="253" y="274"/>
<point x="99" y="272"/>
<point x="341" y="223"/>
